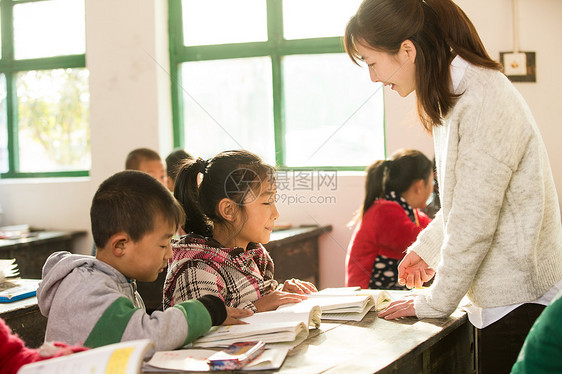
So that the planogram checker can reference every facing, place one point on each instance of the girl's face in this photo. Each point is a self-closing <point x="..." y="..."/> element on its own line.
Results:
<point x="256" y="221"/>
<point x="396" y="71"/>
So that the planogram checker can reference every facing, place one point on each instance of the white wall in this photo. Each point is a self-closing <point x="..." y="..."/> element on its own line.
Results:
<point x="130" y="107"/>
<point x="127" y="57"/>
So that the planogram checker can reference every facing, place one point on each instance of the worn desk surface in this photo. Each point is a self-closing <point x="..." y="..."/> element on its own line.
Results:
<point x="375" y="345"/>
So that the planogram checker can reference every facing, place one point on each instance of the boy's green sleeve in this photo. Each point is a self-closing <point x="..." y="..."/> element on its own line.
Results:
<point x="197" y="317"/>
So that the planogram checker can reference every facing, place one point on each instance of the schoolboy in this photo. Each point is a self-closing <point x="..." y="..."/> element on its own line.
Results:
<point x="148" y="161"/>
<point x="93" y="301"/>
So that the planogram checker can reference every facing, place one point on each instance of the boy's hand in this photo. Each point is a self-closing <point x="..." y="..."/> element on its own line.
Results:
<point x="298" y="286"/>
<point x="275" y="298"/>
<point x="232" y="315"/>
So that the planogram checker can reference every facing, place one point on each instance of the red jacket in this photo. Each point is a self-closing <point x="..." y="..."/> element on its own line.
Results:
<point x="385" y="229"/>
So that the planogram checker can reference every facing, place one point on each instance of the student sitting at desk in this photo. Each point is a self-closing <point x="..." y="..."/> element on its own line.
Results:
<point x="389" y="220"/>
<point x="229" y="214"/>
<point x="93" y="301"/>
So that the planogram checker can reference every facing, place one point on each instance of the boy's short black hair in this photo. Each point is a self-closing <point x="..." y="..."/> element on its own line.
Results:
<point x="129" y="201"/>
<point x="136" y="156"/>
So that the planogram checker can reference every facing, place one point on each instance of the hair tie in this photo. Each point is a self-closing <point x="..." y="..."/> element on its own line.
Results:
<point x="202" y="165"/>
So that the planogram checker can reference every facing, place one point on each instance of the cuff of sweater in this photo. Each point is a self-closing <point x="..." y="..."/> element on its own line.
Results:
<point x="424" y="310"/>
<point x="428" y="244"/>
<point x="216" y="308"/>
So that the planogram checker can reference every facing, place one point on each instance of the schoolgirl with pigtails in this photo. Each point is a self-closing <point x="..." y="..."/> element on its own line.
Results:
<point x="389" y="220"/>
<point x="229" y="202"/>
<point x="497" y="238"/>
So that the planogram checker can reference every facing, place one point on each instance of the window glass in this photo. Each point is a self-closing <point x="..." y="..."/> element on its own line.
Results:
<point x="224" y="21"/>
<point x="49" y="28"/>
<point x="317" y="18"/>
<point x="228" y="105"/>
<point x="3" y="126"/>
<point x="53" y="111"/>
<point x="333" y="112"/>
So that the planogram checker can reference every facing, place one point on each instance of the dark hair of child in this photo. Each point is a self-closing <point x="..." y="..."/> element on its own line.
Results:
<point x="397" y="174"/>
<point x="236" y="175"/>
<point x="175" y="160"/>
<point x="136" y="156"/>
<point x="129" y="201"/>
<point x="440" y="30"/>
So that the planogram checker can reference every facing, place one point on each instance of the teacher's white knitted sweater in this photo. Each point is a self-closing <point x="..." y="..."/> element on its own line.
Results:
<point x="498" y="235"/>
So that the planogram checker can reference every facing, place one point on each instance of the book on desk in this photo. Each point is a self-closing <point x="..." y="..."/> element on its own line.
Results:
<point x="13" y="288"/>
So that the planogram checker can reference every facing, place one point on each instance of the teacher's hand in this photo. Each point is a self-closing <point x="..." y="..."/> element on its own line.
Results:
<point x="413" y="271"/>
<point x="398" y="309"/>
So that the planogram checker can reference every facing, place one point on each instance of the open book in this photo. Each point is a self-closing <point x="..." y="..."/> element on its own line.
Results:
<point x="345" y="303"/>
<point x="8" y="273"/>
<point x="183" y="360"/>
<point x="124" y="357"/>
<point x="270" y="327"/>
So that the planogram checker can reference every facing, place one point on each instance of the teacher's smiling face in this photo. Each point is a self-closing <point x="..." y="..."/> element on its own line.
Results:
<point x="398" y="71"/>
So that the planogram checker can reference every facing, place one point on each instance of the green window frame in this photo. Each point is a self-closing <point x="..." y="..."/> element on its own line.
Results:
<point x="9" y="66"/>
<point x="275" y="47"/>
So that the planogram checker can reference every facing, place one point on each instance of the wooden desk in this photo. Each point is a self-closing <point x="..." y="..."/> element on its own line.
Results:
<point x="31" y="252"/>
<point x="373" y="345"/>
<point x="25" y="319"/>
<point x="295" y="252"/>
<point x="379" y="346"/>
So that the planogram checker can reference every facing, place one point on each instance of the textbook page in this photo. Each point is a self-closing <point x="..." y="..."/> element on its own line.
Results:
<point x="347" y="308"/>
<point x="269" y="327"/>
<point x="124" y="357"/>
<point x="196" y="360"/>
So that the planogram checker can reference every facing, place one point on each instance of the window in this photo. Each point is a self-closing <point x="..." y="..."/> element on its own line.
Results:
<point x="44" y="95"/>
<point x="271" y="76"/>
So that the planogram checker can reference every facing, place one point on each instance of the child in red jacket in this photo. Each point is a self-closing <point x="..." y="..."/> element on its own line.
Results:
<point x="14" y="354"/>
<point x="389" y="220"/>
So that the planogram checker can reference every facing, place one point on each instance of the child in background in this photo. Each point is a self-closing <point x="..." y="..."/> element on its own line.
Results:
<point x="229" y="214"/>
<point x="148" y="161"/>
<point x="390" y="220"/>
<point x="14" y="354"/>
<point x="174" y="162"/>
<point x="93" y="301"/>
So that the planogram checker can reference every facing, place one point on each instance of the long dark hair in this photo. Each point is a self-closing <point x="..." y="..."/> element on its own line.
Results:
<point x="439" y="30"/>
<point x="396" y="174"/>
<point x="237" y="175"/>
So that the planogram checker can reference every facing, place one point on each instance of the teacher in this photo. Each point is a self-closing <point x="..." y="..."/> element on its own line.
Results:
<point x="498" y="237"/>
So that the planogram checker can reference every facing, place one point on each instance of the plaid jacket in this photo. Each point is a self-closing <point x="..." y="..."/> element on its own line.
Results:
<point x="201" y="266"/>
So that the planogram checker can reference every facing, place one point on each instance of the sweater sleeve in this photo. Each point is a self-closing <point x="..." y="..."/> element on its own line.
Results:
<point x="194" y="280"/>
<point x="481" y="181"/>
<point x="169" y="329"/>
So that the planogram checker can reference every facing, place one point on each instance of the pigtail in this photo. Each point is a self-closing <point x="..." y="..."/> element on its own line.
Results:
<point x="397" y="174"/>
<point x="377" y="174"/>
<point x="186" y="192"/>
